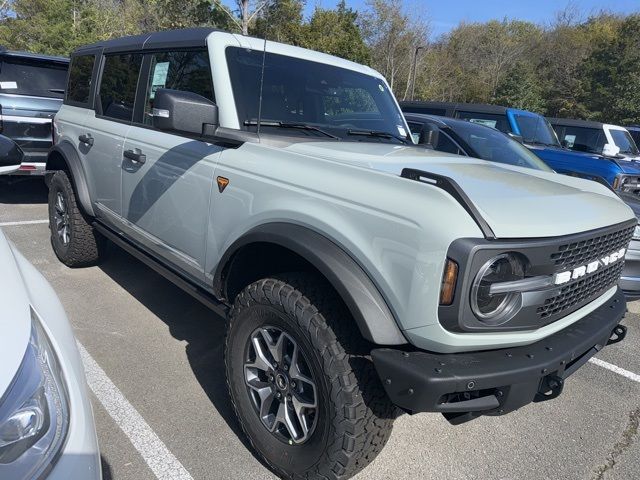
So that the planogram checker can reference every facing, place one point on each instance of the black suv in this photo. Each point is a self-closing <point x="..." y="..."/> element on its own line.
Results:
<point x="31" y="92"/>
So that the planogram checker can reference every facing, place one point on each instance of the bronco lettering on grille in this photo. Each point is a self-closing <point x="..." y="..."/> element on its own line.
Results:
<point x="581" y="271"/>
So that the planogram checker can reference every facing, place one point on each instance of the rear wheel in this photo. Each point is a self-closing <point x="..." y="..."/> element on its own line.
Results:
<point x="74" y="241"/>
<point x="304" y="390"/>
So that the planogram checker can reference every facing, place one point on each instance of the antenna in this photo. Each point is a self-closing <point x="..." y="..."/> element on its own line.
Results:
<point x="264" y="57"/>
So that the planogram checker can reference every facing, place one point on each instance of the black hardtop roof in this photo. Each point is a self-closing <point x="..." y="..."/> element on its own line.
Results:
<point x="187" y="37"/>
<point x="474" y="107"/>
<point x="633" y="127"/>
<point x="32" y="56"/>
<point x="571" y="122"/>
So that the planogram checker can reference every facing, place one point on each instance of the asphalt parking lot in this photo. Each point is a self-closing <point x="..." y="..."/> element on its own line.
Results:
<point x="154" y="359"/>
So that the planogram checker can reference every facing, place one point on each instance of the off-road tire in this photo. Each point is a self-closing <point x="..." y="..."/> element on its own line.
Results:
<point x="85" y="246"/>
<point x="356" y="419"/>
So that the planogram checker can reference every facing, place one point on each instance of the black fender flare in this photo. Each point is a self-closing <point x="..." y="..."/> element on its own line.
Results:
<point x="78" y="177"/>
<point x="362" y="297"/>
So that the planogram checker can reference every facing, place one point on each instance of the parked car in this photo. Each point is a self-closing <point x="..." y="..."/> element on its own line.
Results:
<point x="358" y="271"/>
<point x="595" y="137"/>
<point x="11" y="156"/>
<point x="462" y="137"/>
<point x="465" y="138"/>
<point x="31" y="91"/>
<point x="46" y="422"/>
<point x="634" y="130"/>
<point x="538" y="135"/>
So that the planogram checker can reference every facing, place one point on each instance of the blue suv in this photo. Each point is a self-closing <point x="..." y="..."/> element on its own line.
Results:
<point x="538" y="135"/>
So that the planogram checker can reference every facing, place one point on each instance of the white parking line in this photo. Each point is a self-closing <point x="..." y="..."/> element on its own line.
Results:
<point x="160" y="460"/>
<point x="614" y="368"/>
<point x="25" y="222"/>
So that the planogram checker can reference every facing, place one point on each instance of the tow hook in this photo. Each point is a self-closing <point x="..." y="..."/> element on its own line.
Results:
<point x="550" y="387"/>
<point x="617" y="334"/>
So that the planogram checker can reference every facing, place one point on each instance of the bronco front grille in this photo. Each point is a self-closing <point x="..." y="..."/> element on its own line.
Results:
<point x="581" y="252"/>
<point x="577" y="292"/>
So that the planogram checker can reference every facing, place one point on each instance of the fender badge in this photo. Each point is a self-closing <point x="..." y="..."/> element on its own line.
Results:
<point x="222" y="183"/>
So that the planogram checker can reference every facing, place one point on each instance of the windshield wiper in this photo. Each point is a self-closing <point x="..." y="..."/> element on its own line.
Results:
<point x="299" y="126"/>
<point x="57" y="90"/>
<point x="377" y="134"/>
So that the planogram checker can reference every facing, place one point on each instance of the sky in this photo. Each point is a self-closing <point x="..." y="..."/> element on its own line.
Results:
<point x="444" y="15"/>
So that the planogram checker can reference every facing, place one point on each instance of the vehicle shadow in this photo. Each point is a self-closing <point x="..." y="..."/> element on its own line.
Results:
<point x="188" y="320"/>
<point x="15" y="190"/>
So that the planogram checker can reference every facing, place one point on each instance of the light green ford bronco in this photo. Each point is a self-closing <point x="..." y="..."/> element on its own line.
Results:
<point x="361" y="275"/>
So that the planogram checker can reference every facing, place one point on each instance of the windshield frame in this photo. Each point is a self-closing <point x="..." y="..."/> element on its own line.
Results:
<point x="303" y="86"/>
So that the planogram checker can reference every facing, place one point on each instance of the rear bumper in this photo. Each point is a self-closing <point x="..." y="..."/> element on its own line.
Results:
<point x="463" y="386"/>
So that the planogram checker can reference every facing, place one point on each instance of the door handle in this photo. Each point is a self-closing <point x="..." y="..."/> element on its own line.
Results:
<point x="87" y="139"/>
<point x="135" y="155"/>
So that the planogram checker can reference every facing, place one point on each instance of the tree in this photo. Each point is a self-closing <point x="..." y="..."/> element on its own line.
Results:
<point x="281" y="21"/>
<point x="335" y="32"/>
<point x="611" y="74"/>
<point x="392" y="37"/>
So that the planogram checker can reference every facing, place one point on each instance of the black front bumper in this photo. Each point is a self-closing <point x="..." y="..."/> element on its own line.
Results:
<point x="463" y="386"/>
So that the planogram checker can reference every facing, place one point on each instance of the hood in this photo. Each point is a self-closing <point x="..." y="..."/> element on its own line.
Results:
<point x="15" y="320"/>
<point x="516" y="202"/>
<point x="558" y="153"/>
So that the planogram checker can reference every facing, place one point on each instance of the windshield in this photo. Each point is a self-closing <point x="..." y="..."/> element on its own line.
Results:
<point x="582" y="139"/>
<point x="492" y="145"/>
<point x="623" y="140"/>
<point x="536" y="129"/>
<point x="33" y="77"/>
<point x="340" y="102"/>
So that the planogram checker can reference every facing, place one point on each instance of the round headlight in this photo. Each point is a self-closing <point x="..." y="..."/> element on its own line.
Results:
<point x="498" y="308"/>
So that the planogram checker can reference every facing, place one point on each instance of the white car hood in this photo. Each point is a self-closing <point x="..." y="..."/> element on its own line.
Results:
<point x="15" y="319"/>
<point x="516" y="202"/>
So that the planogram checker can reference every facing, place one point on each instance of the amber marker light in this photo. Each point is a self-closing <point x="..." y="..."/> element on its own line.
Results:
<point x="448" y="286"/>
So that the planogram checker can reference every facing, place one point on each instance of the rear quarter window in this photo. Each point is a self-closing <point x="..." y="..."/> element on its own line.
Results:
<point x="38" y="78"/>
<point x="79" y="85"/>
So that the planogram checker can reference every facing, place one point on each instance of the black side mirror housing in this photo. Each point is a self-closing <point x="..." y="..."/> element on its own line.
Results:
<point x="183" y="112"/>
<point x="10" y="155"/>
<point x="429" y="135"/>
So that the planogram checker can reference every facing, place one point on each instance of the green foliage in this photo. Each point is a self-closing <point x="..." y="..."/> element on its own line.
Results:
<point x="335" y="32"/>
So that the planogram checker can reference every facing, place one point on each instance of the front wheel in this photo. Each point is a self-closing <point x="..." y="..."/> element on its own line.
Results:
<point x="303" y="388"/>
<point x="75" y="242"/>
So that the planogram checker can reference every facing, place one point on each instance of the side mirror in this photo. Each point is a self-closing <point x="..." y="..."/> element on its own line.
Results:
<point x="183" y="112"/>
<point x="429" y="135"/>
<point x="516" y="137"/>
<point x="10" y="155"/>
<point x="610" y="150"/>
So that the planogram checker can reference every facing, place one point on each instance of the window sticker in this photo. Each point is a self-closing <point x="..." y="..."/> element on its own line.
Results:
<point x="381" y="87"/>
<point x="160" y="73"/>
<point x="8" y="85"/>
<point x="401" y="131"/>
<point x="571" y="140"/>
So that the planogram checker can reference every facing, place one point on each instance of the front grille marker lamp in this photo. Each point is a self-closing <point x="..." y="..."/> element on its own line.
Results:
<point x="449" y="279"/>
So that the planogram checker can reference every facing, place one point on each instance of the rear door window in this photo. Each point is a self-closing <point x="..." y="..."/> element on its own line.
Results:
<point x="79" y="85"/>
<point x="39" y="78"/>
<point x="118" y="85"/>
<point x="187" y="71"/>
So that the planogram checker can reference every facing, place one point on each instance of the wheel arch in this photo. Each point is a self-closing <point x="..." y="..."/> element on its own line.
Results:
<point x="63" y="156"/>
<point x="279" y="247"/>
